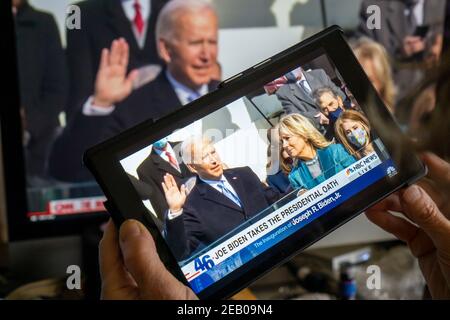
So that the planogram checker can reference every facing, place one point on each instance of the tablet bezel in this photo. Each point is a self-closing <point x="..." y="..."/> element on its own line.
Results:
<point x="124" y="203"/>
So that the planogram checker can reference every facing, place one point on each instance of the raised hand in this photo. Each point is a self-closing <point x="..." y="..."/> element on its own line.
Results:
<point x="112" y="84"/>
<point x="175" y="197"/>
<point x="323" y="120"/>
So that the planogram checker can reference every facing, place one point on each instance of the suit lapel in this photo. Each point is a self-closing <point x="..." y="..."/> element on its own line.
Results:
<point x="397" y="24"/>
<point x="120" y="23"/>
<point x="163" y="165"/>
<point x="300" y="93"/>
<point x="212" y="85"/>
<point x="149" y="43"/>
<point x="164" y="95"/>
<point x="211" y="194"/>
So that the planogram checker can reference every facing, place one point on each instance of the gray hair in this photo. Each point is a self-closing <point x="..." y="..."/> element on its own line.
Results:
<point x="189" y="148"/>
<point x="170" y="13"/>
<point x="317" y="94"/>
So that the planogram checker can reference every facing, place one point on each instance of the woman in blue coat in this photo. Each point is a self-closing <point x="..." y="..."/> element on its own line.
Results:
<point x="315" y="158"/>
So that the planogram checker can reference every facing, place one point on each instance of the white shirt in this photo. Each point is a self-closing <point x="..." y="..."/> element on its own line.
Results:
<point x="418" y="12"/>
<point x="216" y="185"/>
<point x="185" y="95"/>
<point x="130" y="13"/>
<point x="213" y="183"/>
<point x="306" y="84"/>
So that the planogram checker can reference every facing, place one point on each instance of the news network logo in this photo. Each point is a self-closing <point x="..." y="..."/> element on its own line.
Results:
<point x="391" y="171"/>
<point x="359" y="169"/>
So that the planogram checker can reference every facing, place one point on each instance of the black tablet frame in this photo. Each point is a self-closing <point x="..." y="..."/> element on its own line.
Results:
<point x="124" y="203"/>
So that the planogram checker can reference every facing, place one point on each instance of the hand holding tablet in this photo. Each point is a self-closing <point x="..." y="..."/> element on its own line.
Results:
<point x="233" y="228"/>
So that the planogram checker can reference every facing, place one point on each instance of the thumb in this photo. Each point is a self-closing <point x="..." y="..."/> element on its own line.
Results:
<point x="423" y="211"/>
<point x="142" y="261"/>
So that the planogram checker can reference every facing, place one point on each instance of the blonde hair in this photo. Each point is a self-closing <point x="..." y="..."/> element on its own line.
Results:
<point x="300" y="126"/>
<point x="366" y="49"/>
<point x="341" y="135"/>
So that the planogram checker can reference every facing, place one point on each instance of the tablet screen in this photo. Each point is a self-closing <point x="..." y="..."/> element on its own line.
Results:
<point x="228" y="187"/>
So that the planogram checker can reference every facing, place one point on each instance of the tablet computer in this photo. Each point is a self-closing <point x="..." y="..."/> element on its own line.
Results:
<point x="242" y="179"/>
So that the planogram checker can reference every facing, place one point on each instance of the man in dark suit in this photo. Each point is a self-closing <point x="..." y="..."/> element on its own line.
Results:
<point x="163" y="159"/>
<point x="102" y="22"/>
<point x="297" y="95"/>
<point x="399" y="34"/>
<point x="220" y="201"/>
<point x="187" y="43"/>
<point x="43" y="84"/>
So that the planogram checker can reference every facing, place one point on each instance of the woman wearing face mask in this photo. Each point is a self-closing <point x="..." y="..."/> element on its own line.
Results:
<point x="353" y="130"/>
<point x="314" y="158"/>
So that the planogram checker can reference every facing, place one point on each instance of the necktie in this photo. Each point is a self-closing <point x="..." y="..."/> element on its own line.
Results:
<point x="138" y="20"/>
<point x="305" y="87"/>
<point x="230" y="195"/>
<point x="172" y="160"/>
<point x="193" y="97"/>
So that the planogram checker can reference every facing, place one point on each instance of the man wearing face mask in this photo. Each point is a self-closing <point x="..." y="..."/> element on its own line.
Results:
<point x="164" y="158"/>
<point x="331" y="105"/>
<point x="296" y="96"/>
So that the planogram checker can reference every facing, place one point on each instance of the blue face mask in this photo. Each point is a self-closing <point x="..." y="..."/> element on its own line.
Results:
<point x="334" y="115"/>
<point x="357" y="137"/>
<point x="161" y="144"/>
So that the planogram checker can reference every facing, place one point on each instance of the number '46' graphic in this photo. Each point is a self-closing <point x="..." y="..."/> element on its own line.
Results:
<point x="204" y="263"/>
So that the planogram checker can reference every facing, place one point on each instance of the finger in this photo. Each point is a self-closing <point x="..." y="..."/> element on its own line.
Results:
<point x="433" y="191"/>
<point x="104" y="58"/>
<point x="114" y="58"/>
<point x="399" y="227"/>
<point x="167" y="181"/>
<point x="124" y="54"/>
<point x="422" y="210"/>
<point x="438" y="169"/>
<point x="172" y="179"/>
<point x="144" y="264"/>
<point x="417" y="240"/>
<point x="183" y="190"/>
<point x="112" y="270"/>
<point x="164" y="187"/>
<point x="390" y="203"/>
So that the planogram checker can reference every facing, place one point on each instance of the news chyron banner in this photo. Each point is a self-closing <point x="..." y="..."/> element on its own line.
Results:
<point x="219" y="260"/>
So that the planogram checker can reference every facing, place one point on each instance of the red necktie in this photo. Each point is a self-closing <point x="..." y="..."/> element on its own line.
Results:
<point x="138" y="20"/>
<point x="172" y="160"/>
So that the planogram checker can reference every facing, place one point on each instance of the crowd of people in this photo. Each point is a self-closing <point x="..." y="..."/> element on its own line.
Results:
<point x="142" y="60"/>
